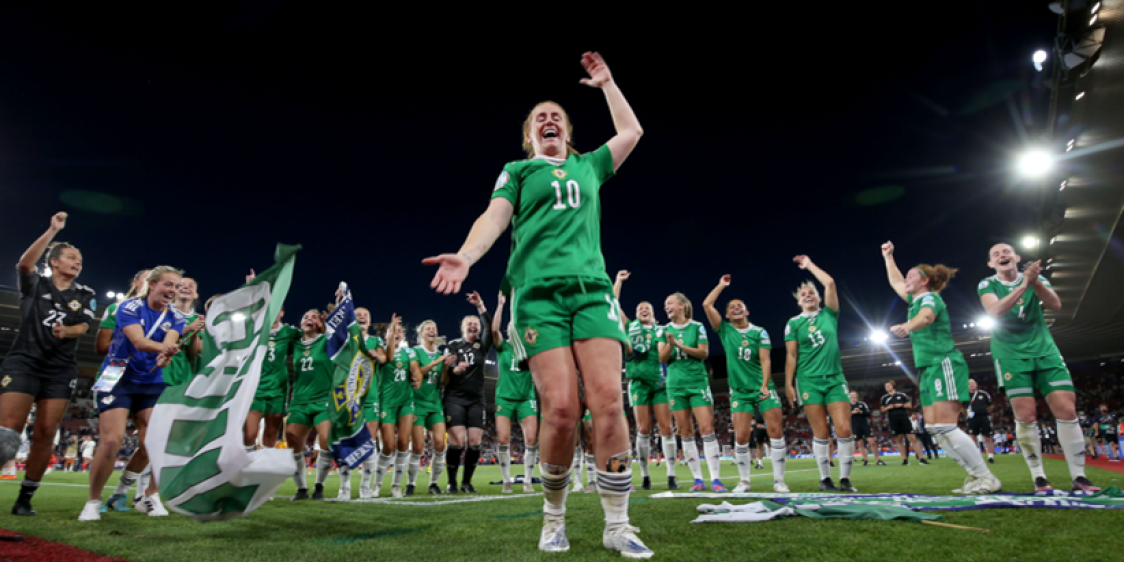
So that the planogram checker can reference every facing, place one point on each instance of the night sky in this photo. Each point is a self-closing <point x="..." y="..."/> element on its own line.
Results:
<point x="201" y="139"/>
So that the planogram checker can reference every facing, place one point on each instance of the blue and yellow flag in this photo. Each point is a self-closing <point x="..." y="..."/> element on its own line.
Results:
<point x="351" y="442"/>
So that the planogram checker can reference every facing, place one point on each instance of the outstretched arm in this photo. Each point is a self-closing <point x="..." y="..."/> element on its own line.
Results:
<point x="453" y="268"/>
<point x="497" y="321"/>
<point x="622" y="276"/>
<point x="712" y="313"/>
<point x="27" y="261"/>
<point x="830" y="296"/>
<point x="624" y="120"/>
<point x="897" y="282"/>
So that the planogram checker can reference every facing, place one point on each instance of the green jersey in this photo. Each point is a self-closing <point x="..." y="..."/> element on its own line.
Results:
<point x="429" y="394"/>
<point x="1022" y="333"/>
<point x="816" y="337"/>
<point x="395" y="378"/>
<point x="109" y="321"/>
<point x="684" y="371"/>
<point x="373" y="343"/>
<point x="274" y="381"/>
<point x="515" y="384"/>
<point x="645" y="361"/>
<point x="314" y="371"/>
<point x="743" y="355"/>
<point x="932" y="343"/>
<point x="181" y="369"/>
<point x="556" y="225"/>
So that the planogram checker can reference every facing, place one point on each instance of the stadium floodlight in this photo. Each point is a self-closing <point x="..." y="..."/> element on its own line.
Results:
<point x="985" y="322"/>
<point x="1030" y="242"/>
<point x="1035" y="163"/>
<point x="110" y="295"/>
<point x="1096" y="7"/>
<point x="879" y="336"/>
<point x="1039" y="58"/>
<point x="1080" y="95"/>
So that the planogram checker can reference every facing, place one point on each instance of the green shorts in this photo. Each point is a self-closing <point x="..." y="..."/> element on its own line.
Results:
<point x="555" y="312"/>
<point x="689" y="398"/>
<point x="946" y="381"/>
<point x="309" y="414"/>
<point x="1021" y="377"/>
<point x="743" y="402"/>
<point x="516" y="409"/>
<point x="267" y="406"/>
<point x="428" y="415"/>
<point x="645" y="393"/>
<point x="821" y="391"/>
<point x="371" y="411"/>
<point x="391" y="413"/>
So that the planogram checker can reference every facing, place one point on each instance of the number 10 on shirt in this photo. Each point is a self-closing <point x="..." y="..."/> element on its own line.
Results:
<point x="573" y="195"/>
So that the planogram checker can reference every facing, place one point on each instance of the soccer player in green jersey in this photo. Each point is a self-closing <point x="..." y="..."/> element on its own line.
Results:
<point x="397" y="381"/>
<point x="427" y="407"/>
<point x="273" y="387"/>
<point x="749" y="370"/>
<point x="182" y="367"/>
<point x="1027" y="359"/>
<point x="376" y="349"/>
<point x="562" y="300"/>
<point x="515" y="401"/>
<point x="647" y="387"/>
<point x="813" y="359"/>
<point x="683" y="347"/>
<point x="308" y="408"/>
<point x="941" y="368"/>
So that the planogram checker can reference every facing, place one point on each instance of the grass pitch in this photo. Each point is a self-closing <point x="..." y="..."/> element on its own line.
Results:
<point x="447" y="528"/>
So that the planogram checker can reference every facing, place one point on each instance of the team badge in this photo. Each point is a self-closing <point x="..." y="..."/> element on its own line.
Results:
<point x="448" y="419"/>
<point x="559" y="173"/>
<point x="1020" y="303"/>
<point x="307" y="352"/>
<point x="74" y="305"/>
<point x="811" y="329"/>
<point x="107" y="400"/>
<point x="635" y="397"/>
<point x="476" y="345"/>
<point x="672" y="401"/>
<point x="734" y="403"/>
<point x="166" y="326"/>
<point x="382" y="415"/>
<point x="805" y="395"/>
<point x="530" y="336"/>
<point x="1007" y="377"/>
<point x="745" y="343"/>
<point x="272" y="344"/>
<point x="7" y="380"/>
<point x="499" y="407"/>
<point x="398" y="364"/>
<point x="501" y="181"/>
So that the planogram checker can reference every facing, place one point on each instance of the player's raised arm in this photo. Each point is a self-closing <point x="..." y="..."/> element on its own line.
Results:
<point x="624" y="120"/>
<point x="712" y="313"/>
<point x="27" y="261"/>
<point x="497" y="321"/>
<point x="897" y="282"/>
<point x="618" y="284"/>
<point x="830" y="294"/>
<point x="453" y="268"/>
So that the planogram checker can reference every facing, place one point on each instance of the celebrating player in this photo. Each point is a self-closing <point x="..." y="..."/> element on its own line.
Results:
<point x="941" y="368"/>
<point x="182" y="368"/>
<point x="1027" y="359"/>
<point x="751" y="384"/>
<point x="273" y="387"/>
<point x="398" y="379"/>
<point x="146" y="338"/>
<point x="42" y="365"/>
<point x="563" y="306"/>
<point x="813" y="358"/>
<point x="515" y="401"/>
<point x="464" y="394"/>
<point x="647" y="388"/>
<point x="376" y="349"/>
<point x="427" y="407"/>
<point x="308" y="408"/>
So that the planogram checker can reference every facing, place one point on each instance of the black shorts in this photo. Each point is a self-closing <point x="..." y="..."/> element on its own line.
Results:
<point x="861" y="431"/>
<point x="979" y="425"/>
<point x="1107" y="438"/>
<point x="901" y="426"/>
<point x="467" y="413"/>
<point x="56" y="385"/>
<point x="759" y="437"/>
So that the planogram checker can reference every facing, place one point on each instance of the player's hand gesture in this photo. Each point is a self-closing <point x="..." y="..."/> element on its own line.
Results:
<point x="790" y="393"/>
<point x="900" y="330"/>
<point x="198" y="324"/>
<point x="887" y="249"/>
<point x="764" y="391"/>
<point x="450" y="360"/>
<point x="1031" y="273"/>
<point x="803" y="262"/>
<point x="461" y="367"/>
<point x="58" y="331"/>
<point x="251" y="276"/>
<point x="501" y="299"/>
<point x="623" y="275"/>
<point x="58" y="222"/>
<point x="474" y="299"/>
<point x="599" y="74"/>
<point x="451" y="272"/>
<point x="725" y="280"/>
<point x="671" y="339"/>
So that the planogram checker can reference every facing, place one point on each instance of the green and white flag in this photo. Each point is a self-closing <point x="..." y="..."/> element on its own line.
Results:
<point x="195" y="433"/>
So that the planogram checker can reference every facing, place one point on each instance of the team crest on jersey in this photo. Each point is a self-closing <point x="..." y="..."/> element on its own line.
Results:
<point x="272" y="344"/>
<point x="1007" y="377"/>
<point x="166" y="326"/>
<point x="811" y="329"/>
<point x="398" y="364"/>
<point x="530" y="336"/>
<point x="307" y="352"/>
<point x="559" y="173"/>
<point x="476" y="345"/>
<point x="7" y="380"/>
<point x="74" y="305"/>
<point x="745" y="343"/>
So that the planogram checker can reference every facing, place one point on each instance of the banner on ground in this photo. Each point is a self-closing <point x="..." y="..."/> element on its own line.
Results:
<point x="767" y="510"/>
<point x="195" y="433"/>
<point x="1109" y="498"/>
<point x="350" y="440"/>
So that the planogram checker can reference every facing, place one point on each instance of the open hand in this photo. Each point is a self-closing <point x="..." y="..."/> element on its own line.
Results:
<point x="451" y="272"/>
<point x="599" y="74"/>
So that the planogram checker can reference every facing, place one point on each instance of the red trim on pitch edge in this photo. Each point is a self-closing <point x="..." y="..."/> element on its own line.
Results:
<point x="39" y="550"/>
<point x="1099" y="462"/>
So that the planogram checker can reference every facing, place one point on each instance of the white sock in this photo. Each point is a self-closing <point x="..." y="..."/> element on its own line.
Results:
<point x="614" y="489"/>
<point x="380" y="470"/>
<point x="668" y="443"/>
<point x="505" y="463"/>
<point x="846" y="456"/>
<point x="415" y="466"/>
<point x="127" y="480"/>
<point x="713" y="456"/>
<point x="555" y="488"/>
<point x="345" y="476"/>
<point x="300" y="477"/>
<point x="644" y="451"/>
<point x="530" y="459"/>
<point x="367" y="471"/>
<point x="961" y="448"/>
<point x="437" y="468"/>
<point x="323" y="467"/>
<point x="820" y="449"/>
<point x="692" y="452"/>
<point x="778" y="452"/>
<point x="142" y="481"/>
<point x="1073" y="445"/>
<point x="1027" y="436"/>
<point x="576" y="467"/>
<point x="741" y="455"/>
<point x="400" y="462"/>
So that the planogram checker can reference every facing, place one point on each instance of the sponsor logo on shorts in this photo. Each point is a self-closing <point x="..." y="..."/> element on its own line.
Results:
<point x="530" y="336"/>
<point x="7" y="380"/>
<point x="734" y="403"/>
<point x="1007" y="376"/>
<point x="806" y="396"/>
<point x="108" y="399"/>
<point x="559" y="173"/>
<point x="498" y="407"/>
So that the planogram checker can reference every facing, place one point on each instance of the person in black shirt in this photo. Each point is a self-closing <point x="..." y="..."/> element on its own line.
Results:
<point x="896" y="406"/>
<point x="860" y="426"/>
<point x="463" y="399"/>
<point x="758" y="436"/>
<point x="1107" y="432"/>
<point x="979" y="418"/>
<point x="42" y="366"/>
<point x="1089" y="431"/>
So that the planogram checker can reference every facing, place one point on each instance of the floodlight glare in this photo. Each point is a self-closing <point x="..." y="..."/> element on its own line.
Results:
<point x="878" y="336"/>
<point x="110" y="295"/>
<point x="986" y="322"/>
<point x="1039" y="56"/>
<point x="1030" y="242"/>
<point x="1035" y="163"/>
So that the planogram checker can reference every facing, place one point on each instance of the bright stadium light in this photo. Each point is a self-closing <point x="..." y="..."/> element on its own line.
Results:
<point x="1039" y="58"/>
<point x="1030" y="242"/>
<point x="1079" y="96"/>
<point x="986" y="322"/>
<point x="110" y="295"/>
<point x="1035" y="163"/>
<point x="879" y="336"/>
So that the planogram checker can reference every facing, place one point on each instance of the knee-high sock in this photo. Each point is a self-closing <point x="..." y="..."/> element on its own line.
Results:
<point x="713" y="454"/>
<point x="555" y="487"/>
<point x="668" y="443"/>
<point x="300" y="476"/>
<point x="960" y="447"/>
<point x="1027" y="436"/>
<point x="821" y="448"/>
<point x="846" y="456"/>
<point x="644" y="451"/>
<point x="505" y="463"/>
<point x="380" y="471"/>
<point x="741" y="456"/>
<point x="345" y="476"/>
<point x="437" y="467"/>
<point x="401" y="459"/>
<point x="146" y="477"/>
<point x="323" y="467"/>
<point x="471" y="457"/>
<point x="415" y="466"/>
<point x="453" y="461"/>
<point x="778" y="453"/>
<point x="692" y="452"/>
<point x="1073" y="445"/>
<point x="576" y="466"/>
<point x="615" y="488"/>
<point x="590" y="470"/>
<point x="126" y="481"/>
<point x="530" y="459"/>
<point x="367" y="471"/>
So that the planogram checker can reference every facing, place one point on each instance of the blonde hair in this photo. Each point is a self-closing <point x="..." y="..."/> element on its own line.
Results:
<point x="805" y="285"/>
<point x="530" y="148"/>
<point x="689" y="310"/>
<point x="938" y="275"/>
<point x="318" y="314"/>
<point x="466" y="318"/>
<point x="133" y="290"/>
<point x="421" y="326"/>
<point x="157" y="273"/>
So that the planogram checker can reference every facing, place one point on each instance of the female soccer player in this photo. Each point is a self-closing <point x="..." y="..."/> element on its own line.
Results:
<point x="398" y="380"/>
<point x="563" y="304"/>
<point x="132" y="378"/>
<point x="515" y="401"/>
<point x="109" y="320"/>
<point x="308" y="408"/>
<point x="273" y="387"/>
<point x="751" y="384"/>
<point x="647" y="386"/>
<point x="1027" y="359"/>
<point x="427" y="407"/>
<point x="464" y="394"/>
<point x="683" y="347"/>
<point x="42" y="365"/>
<point x="376" y="349"/>
<point x="813" y="359"/>
<point x="941" y="368"/>
<point x="182" y="367"/>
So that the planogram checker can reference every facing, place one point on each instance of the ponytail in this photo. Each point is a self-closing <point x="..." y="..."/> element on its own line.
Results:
<point x="938" y="275"/>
